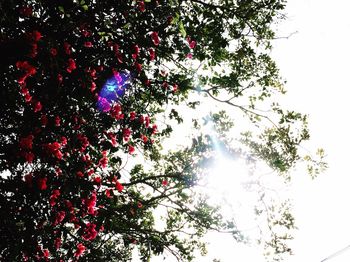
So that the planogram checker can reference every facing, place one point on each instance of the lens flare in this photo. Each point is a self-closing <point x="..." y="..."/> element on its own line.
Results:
<point x="113" y="89"/>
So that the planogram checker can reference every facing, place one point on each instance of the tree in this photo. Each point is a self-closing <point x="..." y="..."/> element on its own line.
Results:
<point x="83" y="84"/>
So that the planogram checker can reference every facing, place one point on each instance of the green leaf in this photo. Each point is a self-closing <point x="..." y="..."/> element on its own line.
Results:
<point x="61" y="9"/>
<point x="85" y="7"/>
<point x="82" y="2"/>
<point x="147" y="1"/>
<point x="182" y="29"/>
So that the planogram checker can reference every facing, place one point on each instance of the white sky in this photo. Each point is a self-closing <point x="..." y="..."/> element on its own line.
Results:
<point x="315" y="63"/>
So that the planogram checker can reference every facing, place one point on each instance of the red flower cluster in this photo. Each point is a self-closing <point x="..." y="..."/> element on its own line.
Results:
<point x="71" y="65"/>
<point x="28" y="69"/>
<point x="155" y="38"/>
<point x="90" y="232"/>
<point x="53" y="198"/>
<point x="41" y="182"/>
<point x="26" y="142"/>
<point x="54" y="149"/>
<point x="80" y="250"/>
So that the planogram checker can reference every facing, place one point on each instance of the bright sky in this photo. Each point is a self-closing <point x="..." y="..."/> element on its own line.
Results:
<point x="315" y="63"/>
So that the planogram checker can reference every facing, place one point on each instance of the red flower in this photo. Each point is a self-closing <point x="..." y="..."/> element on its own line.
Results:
<point x="63" y="141"/>
<point x="193" y="44"/>
<point x="155" y="38"/>
<point x="132" y="115"/>
<point x="126" y="134"/>
<point x="119" y="186"/>
<point x="154" y="129"/>
<point x="29" y="179"/>
<point x="53" y="198"/>
<point x="59" y="78"/>
<point x="37" y="107"/>
<point x="57" y="121"/>
<point x="93" y="87"/>
<point x="58" y="154"/>
<point x="147" y="121"/>
<point x="29" y="157"/>
<point x="152" y="54"/>
<point x="88" y="44"/>
<point x="97" y="180"/>
<point x="141" y="6"/>
<point x="144" y="138"/>
<point x="103" y="162"/>
<point x="80" y="250"/>
<point x="46" y="253"/>
<point x="26" y="142"/>
<point x="136" y="52"/>
<point x="164" y="182"/>
<point x="80" y="174"/>
<point x="139" y="204"/>
<point x="53" y="51"/>
<point x="175" y="88"/>
<point x="26" y="11"/>
<point x="59" y="217"/>
<point x="138" y="67"/>
<point x="189" y="56"/>
<point x="108" y="193"/>
<point x="43" y="120"/>
<point x="42" y="183"/>
<point x="57" y="243"/>
<point x="90" y="232"/>
<point x="71" y="65"/>
<point x="67" y="48"/>
<point x="131" y="149"/>
<point x="36" y="35"/>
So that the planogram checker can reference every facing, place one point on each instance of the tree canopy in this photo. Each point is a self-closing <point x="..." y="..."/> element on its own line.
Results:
<point x="89" y="88"/>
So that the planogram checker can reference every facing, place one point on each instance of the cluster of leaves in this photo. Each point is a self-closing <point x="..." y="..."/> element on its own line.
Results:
<point x="83" y="82"/>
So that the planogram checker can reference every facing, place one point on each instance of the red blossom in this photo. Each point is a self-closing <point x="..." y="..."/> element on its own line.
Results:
<point x="63" y="141"/>
<point x="92" y="87"/>
<point x="132" y="115"/>
<point x="147" y="121"/>
<point x="57" y="121"/>
<point x="88" y="44"/>
<point x="144" y="138"/>
<point x="152" y="54"/>
<point x="29" y="157"/>
<point x="57" y="243"/>
<point x="138" y="67"/>
<point x="59" y="78"/>
<point x="141" y="6"/>
<point x="43" y="120"/>
<point x="46" y="253"/>
<point x="175" y="88"/>
<point x="26" y="142"/>
<point x="108" y="193"/>
<point x="119" y="186"/>
<point x="154" y="129"/>
<point x="139" y="204"/>
<point x="53" y="198"/>
<point x="189" y="56"/>
<point x="97" y="180"/>
<point x="131" y="149"/>
<point x="90" y="232"/>
<point x="36" y="35"/>
<point x="71" y="65"/>
<point x="67" y="48"/>
<point x="80" y="174"/>
<point x="28" y="179"/>
<point x="37" y="106"/>
<point x="53" y="51"/>
<point x="59" y="217"/>
<point x="164" y="183"/>
<point x="136" y="52"/>
<point x="42" y="183"/>
<point x="80" y="250"/>
<point x="126" y="134"/>
<point x="26" y="11"/>
<point x="155" y="38"/>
